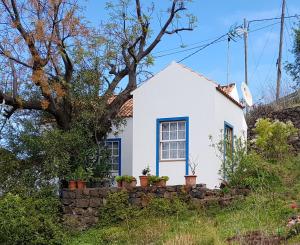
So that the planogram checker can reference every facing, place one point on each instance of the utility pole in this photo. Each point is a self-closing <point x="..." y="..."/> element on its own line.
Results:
<point x="245" y="31"/>
<point x="246" y="49"/>
<point x="280" y="52"/>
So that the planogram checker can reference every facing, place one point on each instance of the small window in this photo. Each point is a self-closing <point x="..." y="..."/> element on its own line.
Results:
<point x="114" y="149"/>
<point x="228" y="136"/>
<point x="173" y="140"/>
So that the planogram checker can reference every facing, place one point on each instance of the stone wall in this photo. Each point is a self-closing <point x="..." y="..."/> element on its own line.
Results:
<point x="283" y="114"/>
<point x="80" y="207"/>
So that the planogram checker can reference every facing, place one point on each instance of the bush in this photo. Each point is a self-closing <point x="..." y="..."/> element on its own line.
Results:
<point x="31" y="220"/>
<point x="272" y="138"/>
<point x="254" y="172"/>
<point x="116" y="209"/>
<point x="162" y="207"/>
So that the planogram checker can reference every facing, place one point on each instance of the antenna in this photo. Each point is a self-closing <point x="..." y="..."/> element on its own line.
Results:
<point x="247" y="94"/>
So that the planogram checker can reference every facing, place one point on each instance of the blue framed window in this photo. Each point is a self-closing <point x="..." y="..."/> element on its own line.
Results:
<point x="228" y="143"/>
<point x="172" y="140"/>
<point x="228" y="139"/>
<point x="114" y="148"/>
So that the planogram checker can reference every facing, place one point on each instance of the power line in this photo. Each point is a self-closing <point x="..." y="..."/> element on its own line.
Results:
<point x="216" y="40"/>
<point x="275" y="18"/>
<point x="205" y="46"/>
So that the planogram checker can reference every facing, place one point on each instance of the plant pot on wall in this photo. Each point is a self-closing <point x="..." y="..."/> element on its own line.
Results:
<point x="81" y="184"/>
<point x="161" y="183"/>
<point x="144" y="181"/>
<point x="119" y="180"/>
<point x="190" y="180"/>
<point x="72" y="184"/>
<point x="129" y="185"/>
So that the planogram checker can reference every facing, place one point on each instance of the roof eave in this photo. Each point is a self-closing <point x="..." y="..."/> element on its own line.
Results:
<point x="218" y="88"/>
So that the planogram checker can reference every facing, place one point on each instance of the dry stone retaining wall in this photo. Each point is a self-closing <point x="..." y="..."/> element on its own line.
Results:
<point x="80" y="207"/>
<point x="283" y="114"/>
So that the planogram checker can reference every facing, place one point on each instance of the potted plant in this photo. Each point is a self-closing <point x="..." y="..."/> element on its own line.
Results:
<point x="158" y="181"/>
<point x="83" y="176"/>
<point x="119" y="180"/>
<point x="72" y="181"/>
<point x="162" y="181"/>
<point x="190" y="180"/>
<point x="144" y="178"/>
<point x="128" y="181"/>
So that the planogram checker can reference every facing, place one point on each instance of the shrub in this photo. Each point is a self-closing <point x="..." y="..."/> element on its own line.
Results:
<point x="117" y="209"/>
<point x="254" y="172"/>
<point x="31" y="220"/>
<point x="272" y="138"/>
<point x="162" y="207"/>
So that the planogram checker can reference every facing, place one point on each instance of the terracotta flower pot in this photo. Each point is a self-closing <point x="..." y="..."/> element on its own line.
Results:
<point x="81" y="184"/>
<point x="130" y="185"/>
<point x="119" y="184"/>
<point x="190" y="180"/>
<point x="72" y="184"/>
<point x="144" y="181"/>
<point x="161" y="183"/>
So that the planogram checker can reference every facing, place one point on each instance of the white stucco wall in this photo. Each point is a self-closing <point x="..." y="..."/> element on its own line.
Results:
<point x="178" y="92"/>
<point x="126" y="134"/>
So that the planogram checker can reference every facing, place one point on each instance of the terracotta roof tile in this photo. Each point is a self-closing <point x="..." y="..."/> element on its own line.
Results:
<point x="126" y="109"/>
<point x="228" y="88"/>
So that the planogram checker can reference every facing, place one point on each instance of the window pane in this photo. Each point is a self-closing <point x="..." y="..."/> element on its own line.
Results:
<point x="173" y="145"/>
<point x="115" y="160"/>
<point x="181" y="153"/>
<point x="173" y="126"/>
<point x="173" y="135"/>
<point x="165" y="127"/>
<point x="173" y="154"/>
<point x="115" y="167"/>
<point x="165" y="135"/>
<point x="116" y="152"/>
<point x="165" y="146"/>
<point x="165" y="154"/>
<point x="181" y="126"/>
<point x="109" y="144"/>
<point x="181" y="135"/>
<point x="181" y="145"/>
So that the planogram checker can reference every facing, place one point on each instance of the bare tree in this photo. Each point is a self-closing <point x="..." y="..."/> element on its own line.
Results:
<point x="37" y="40"/>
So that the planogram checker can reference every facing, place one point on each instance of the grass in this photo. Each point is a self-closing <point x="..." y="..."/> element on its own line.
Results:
<point x="213" y="226"/>
<point x="263" y="210"/>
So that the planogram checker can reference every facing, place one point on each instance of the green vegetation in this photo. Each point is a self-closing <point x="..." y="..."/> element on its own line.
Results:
<point x="32" y="216"/>
<point x="273" y="178"/>
<point x="32" y="220"/>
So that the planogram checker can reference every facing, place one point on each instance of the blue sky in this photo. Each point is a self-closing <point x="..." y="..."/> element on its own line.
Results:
<point x="215" y="17"/>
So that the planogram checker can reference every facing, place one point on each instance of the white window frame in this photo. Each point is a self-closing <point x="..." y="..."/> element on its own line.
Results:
<point x="161" y="141"/>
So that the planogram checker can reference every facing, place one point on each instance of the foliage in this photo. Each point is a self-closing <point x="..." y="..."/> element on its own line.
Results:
<point x="30" y="220"/>
<point x="154" y="179"/>
<point x="146" y="171"/>
<point x="161" y="207"/>
<point x="119" y="178"/>
<point x="294" y="68"/>
<point x="255" y="173"/>
<point x="230" y="160"/>
<point x="83" y="174"/>
<point x="128" y="178"/>
<point x="165" y="178"/>
<point x="116" y="209"/>
<point x="272" y="138"/>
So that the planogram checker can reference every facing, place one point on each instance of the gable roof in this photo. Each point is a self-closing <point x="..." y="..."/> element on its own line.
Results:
<point x="126" y="109"/>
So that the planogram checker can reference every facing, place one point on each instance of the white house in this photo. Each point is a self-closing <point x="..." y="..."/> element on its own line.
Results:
<point x="169" y="119"/>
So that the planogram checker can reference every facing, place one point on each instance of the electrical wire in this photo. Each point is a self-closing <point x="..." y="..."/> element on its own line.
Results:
<point x="205" y="46"/>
